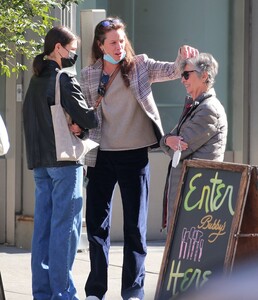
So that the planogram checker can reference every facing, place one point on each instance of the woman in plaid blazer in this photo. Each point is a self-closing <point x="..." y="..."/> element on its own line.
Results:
<point x="128" y="125"/>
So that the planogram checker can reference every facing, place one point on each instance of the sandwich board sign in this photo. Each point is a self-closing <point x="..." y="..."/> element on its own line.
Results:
<point x="205" y="227"/>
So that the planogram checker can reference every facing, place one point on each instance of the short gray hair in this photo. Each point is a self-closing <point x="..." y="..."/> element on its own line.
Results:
<point x="204" y="62"/>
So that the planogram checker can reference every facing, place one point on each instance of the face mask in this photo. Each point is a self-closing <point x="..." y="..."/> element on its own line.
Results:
<point x="68" y="62"/>
<point x="110" y="59"/>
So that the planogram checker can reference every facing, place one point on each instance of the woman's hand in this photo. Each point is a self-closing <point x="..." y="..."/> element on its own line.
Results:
<point x="75" y="129"/>
<point x="176" y="143"/>
<point x="186" y="51"/>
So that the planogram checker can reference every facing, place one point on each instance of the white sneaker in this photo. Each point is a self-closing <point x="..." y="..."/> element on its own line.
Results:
<point x="92" y="298"/>
<point x="134" y="298"/>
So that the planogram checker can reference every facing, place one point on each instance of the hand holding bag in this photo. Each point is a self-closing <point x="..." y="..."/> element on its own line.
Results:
<point x="68" y="146"/>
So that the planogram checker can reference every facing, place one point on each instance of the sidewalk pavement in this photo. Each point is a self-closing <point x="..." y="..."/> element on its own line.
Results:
<point x="16" y="273"/>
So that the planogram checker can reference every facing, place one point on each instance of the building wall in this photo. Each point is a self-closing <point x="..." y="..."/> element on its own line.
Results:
<point x="252" y="76"/>
<point x="159" y="30"/>
<point x="222" y="27"/>
<point x="238" y="71"/>
<point x="2" y="167"/>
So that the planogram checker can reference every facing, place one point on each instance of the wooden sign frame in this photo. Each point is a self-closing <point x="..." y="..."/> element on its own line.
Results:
<point x="248" y="236"/>
<point x="242" y="173"/>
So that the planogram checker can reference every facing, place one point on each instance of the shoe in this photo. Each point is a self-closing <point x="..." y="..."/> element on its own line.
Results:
<point x="92" y="298"/>
<point x="133" y="298"/>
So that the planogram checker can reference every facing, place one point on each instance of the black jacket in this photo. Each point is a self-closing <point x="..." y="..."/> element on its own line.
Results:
<point x="38" y="126"/>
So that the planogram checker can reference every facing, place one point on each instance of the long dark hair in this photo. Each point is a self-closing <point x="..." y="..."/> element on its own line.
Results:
<point x="58" y="34"/>
<point x="101" y="29"/>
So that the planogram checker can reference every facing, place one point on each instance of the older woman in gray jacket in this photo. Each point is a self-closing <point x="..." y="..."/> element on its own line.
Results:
<point x="202" y="128"/>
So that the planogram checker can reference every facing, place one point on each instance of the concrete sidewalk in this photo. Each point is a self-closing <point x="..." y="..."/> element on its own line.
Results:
<point x="16" y="274"/>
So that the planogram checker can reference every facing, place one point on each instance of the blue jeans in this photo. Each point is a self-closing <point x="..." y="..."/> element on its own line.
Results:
<point x="130" y="169"/>
<point x="57" y="228"/>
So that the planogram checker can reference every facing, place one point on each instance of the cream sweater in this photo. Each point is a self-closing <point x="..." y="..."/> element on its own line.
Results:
<point x="125" y="125"/>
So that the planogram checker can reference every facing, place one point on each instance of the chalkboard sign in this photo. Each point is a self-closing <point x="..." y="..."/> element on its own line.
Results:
<point x="202" y="233"/>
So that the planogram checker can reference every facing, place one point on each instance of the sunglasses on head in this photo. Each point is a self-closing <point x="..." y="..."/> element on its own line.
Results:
<point x="186" y="74"/>
<point x="102" y="85"/>
<point x="107" y="23"/>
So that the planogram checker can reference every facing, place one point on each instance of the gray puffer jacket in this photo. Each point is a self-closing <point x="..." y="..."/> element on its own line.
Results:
<point x="205" y="130"/>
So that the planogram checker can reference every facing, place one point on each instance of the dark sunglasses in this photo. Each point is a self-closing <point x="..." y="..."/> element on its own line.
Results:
<point x="186" y="74"/>
<point x="102" y="85"/>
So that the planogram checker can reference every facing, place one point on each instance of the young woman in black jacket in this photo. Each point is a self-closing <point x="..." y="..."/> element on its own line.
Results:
<point x="58" y="184"/>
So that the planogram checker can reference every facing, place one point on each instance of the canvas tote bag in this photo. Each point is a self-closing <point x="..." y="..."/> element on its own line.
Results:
<point x="4" y="140"/>
<point x="68" y="146"/>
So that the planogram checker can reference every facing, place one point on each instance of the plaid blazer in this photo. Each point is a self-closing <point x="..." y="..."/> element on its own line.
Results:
<point x="145" y="72"/>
